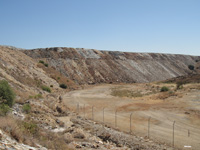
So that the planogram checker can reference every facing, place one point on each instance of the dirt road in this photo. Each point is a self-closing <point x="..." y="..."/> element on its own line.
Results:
<point x="184" y="110"/>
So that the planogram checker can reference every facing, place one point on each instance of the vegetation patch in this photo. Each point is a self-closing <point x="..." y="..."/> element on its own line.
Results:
<point x="179" y="85"/>
<point x="28" y="132"/>
<point x="125" y="93"/>
<point x="37" y="96"/>
<point x="64" y="86"/>
<point x="46" y="88"/>
<point x="42" y="62"/>
<point x="164" y="89"/>
<point x="7" y="95"/>
<point x="191" y="67"/>
<point x="26" y="108"/>
<point x="4" y="109"/>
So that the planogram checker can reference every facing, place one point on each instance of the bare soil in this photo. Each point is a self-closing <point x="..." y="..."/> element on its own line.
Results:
<point x="181" y="106"/>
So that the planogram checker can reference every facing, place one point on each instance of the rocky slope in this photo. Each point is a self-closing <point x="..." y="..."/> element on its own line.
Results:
<point x="89" y="66"/>
<point x="21" y="68"/>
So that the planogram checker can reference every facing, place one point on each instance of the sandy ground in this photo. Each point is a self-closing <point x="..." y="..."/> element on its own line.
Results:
<point x="184" y="110"/>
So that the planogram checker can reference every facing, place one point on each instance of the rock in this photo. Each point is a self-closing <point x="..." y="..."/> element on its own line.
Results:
<point x="79" y="136"/>
<point x="59" y="109"/>
<point x="78" y="146"/>
<point x="104" y="136"/>
<point x="68" y="138"/>
<point x="60" y="99"/>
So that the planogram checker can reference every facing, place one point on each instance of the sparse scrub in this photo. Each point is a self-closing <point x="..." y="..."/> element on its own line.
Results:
<point x="7" y="95"/>
<point x="37" y="96"/>
<point x="179" y="85"/>
<point x="46" y="88"/>
<point x="164" y="89"/>
<point x="4" y="109"/>
<point x="64" y="86"/>
<point x="26" y="108"/>
<point x="31" y="127"/>
<point x="125" y="93"/>
<point x="46" y="65"/>
<point x="41" y="61"/>
<point x="191" y="67"/>
<point x="29" y="133"/>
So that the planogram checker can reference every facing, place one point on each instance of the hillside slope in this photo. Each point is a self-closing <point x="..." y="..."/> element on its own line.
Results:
<point x="89" y="66"/>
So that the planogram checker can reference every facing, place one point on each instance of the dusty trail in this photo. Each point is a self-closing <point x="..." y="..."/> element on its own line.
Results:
<point x="185" y="111"/>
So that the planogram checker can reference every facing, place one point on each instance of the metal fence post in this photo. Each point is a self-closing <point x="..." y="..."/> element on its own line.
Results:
<point x="77" y="108"/>
<point x="84" y="110"/>
<point x="103" y="116"/>
<point x="173" y="132"/>
<point x="130" y="121"/>
<point x="149" y="127"/>
<point x="93" y="113"/>
<point x="116" y="119"/>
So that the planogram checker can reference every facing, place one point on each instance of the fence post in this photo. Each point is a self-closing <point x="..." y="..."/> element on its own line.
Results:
<point x="93" y="113"/>
<point x="84" y="110"/>
<point x="188" y="133"/>
<point x="116" y="119"/>
<point x="77" y="108"/>
<point x="173" y="132"/>
<point x="149" y="127"/>
<point x="130" y="121"/>
<point x="103" y="116"/>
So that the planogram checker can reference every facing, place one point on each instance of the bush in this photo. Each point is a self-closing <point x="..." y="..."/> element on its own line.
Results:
<point x="4" y="109"/>
<point x="164" y="89"/>
<point x="7" y="95"/>
<point x="26" y="108"/>
<point x="191" y="67"/>
<point x="179" y="85"/>
<point x="37" y="96"/>
<point x="41" y="61"/>
<point x="46" y="65"/>
<point x="30" y="127"/>
<point x="46" y="88"/>
<point x="64" y="86"/>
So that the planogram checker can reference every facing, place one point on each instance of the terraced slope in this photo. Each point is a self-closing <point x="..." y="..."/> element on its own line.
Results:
<point x="89" y="66"/>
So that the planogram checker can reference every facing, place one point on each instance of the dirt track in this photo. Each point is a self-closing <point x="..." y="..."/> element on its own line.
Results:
<point x="184" y="109"/>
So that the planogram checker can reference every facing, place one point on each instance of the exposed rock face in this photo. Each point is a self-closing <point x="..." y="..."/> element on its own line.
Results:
<point x="88" y="66"/>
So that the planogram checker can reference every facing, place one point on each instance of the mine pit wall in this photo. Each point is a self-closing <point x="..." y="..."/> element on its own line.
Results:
<point x="89" y="66"/>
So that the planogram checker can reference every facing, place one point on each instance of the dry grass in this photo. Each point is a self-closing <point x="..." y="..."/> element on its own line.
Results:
<point x="28" y="133"/>
<point x="125" y="93"/>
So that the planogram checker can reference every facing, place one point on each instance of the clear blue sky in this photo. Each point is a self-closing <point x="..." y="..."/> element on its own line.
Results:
<point x="165" y="26"/>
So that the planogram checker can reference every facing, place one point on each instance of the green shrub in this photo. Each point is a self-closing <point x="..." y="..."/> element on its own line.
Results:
<point x="26" y="108"/>
<point x="64" y="86"/>
<point x="179" y="85"/>
<point x="30" y="127"/>
<point x="46" y="88"/>
<point x="191" y="67"/>
<point x="41" y="61"/>
<point x="37" y="96"/>
<point x="46" y="65"/>
<point x="164" y="89"/>
<point x="7" y="95"/>
<point x="4" y="109"/>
